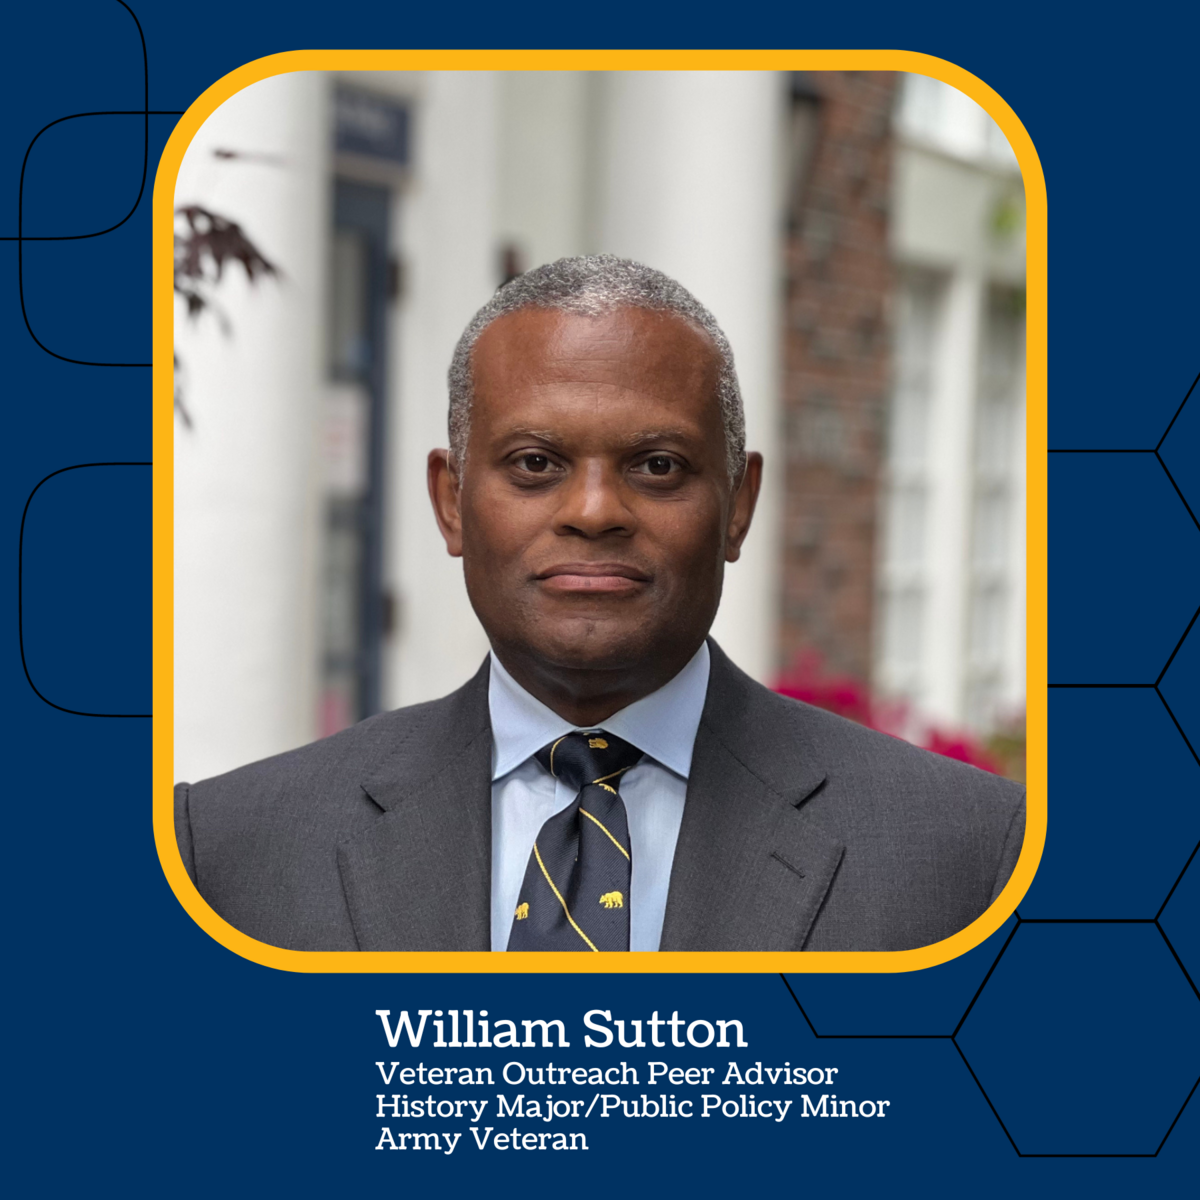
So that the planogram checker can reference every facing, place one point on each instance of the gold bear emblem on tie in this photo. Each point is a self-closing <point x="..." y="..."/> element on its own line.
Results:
<point x="522" y="912"/>
<point x="612" y="900"/>
<point x="597" y="744"/>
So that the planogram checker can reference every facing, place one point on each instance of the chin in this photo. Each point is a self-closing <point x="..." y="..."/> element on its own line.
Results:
<point x="588" y="644"/>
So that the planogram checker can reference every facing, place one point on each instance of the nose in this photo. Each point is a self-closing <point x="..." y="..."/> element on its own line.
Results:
<point x="592" y="504"/>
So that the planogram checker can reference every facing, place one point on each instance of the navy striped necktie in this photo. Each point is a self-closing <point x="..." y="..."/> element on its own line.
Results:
<point x="575" y="895"/>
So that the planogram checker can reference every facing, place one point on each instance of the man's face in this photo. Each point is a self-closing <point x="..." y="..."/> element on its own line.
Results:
<point x="595" y="514"/>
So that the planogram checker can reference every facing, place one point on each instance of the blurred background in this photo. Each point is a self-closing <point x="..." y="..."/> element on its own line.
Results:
<point x="858" y="235"/>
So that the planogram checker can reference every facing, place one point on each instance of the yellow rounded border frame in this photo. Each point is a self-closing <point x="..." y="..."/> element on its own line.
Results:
<point x="163" y="529"/>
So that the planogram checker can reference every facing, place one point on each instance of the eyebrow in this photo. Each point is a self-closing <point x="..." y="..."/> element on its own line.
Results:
<point x="642" y="437"/>
<point x="649" y="436"/>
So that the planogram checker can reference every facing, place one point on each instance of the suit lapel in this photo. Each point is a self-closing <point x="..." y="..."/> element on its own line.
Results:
<point x="420" y="877"/>
<point x="751" y="866"/>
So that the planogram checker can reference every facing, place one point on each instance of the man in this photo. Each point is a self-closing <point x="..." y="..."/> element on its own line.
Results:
<point x="609" y="780"/>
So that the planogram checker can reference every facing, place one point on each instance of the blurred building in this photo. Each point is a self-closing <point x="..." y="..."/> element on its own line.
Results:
<point x="837" y="353"/>
<point x="857" y="235"/>
<point x="903" y="397"/>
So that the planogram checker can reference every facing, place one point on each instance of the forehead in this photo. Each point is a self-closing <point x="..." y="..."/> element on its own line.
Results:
<point x="629" y="354"/>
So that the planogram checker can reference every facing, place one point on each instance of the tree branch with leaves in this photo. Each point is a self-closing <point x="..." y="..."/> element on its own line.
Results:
<point x="205" y="243"/>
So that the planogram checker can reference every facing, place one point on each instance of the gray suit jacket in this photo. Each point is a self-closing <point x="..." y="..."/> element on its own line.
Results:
<point x="801" y="831"/>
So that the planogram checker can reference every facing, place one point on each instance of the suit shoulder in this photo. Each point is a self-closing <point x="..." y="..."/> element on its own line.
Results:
<point x="860" y="747"/>
<point x="402" y="740"/>
<point x="780" y="734"/>
<point x="359" y="742"/>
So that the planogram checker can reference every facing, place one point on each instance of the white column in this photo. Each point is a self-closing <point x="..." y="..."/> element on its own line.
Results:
<point x="246" y="514"/>
<point x="1013" y="696"/>
<point x="949" y="530"/>
<point x="687" y="183"/>
<point x="447" y="240"/>
<point x="542" y="169"/>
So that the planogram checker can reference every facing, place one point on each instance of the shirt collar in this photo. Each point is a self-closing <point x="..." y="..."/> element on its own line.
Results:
<point x="662" y="725"/>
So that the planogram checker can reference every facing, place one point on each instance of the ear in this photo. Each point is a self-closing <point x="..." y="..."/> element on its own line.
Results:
<point x="742" y="511"/>
<point x="446" y="494"/>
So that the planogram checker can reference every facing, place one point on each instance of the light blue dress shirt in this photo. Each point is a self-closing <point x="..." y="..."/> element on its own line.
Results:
<point x="524" y="795"/>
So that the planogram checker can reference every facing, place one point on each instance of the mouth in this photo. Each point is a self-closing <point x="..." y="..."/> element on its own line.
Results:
<point x="592" y="579"/>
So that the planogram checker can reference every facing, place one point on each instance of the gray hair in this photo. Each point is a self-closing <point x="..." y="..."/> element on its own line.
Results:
<point x="593" y="285"/>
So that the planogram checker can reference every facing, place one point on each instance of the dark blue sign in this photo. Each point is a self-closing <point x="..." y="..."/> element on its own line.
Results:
<point x="370" y="125"/>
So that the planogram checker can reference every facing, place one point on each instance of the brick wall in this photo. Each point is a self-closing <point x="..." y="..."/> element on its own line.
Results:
<point x="839" y="278"/>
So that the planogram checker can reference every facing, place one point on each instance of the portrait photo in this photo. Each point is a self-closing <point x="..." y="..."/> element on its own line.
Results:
<point x="600" y="512"/>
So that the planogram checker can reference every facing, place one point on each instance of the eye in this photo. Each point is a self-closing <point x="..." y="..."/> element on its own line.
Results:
<point x="534" y="468"/>
<point x="658" y="464"/>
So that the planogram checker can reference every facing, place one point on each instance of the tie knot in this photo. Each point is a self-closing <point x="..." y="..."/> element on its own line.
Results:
<point x="590" y="757"/>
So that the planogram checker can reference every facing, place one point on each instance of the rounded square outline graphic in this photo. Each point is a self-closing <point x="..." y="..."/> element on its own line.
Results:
<point x="660" y="962"/>
<point x="21" y="593"/>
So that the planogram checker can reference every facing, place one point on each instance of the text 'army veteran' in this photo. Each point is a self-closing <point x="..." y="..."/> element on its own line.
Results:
<point x="608" y="780"/>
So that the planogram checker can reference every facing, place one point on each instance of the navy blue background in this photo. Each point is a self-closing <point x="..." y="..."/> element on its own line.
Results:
<point x="144" y="1056"/>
